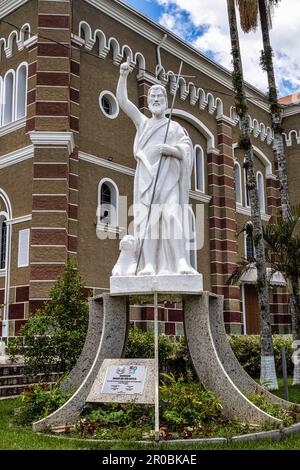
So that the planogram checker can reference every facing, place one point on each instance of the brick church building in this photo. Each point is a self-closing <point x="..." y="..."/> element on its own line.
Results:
<point x="66" y="155"/>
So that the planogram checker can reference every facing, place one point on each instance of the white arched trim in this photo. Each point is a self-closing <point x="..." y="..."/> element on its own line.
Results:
<point x="21" y="91"/>
<point x="9" y="97"/>
<point x="198" y="125"/>
<point x="115" y="201"/>
<point x="238" y="183"/>
<point x="8" y="212"/>
<point x="262" y="157"/>
<point x="261" y="191"/>
<point x="5" y="198"/>
<point x="199" y="169"/>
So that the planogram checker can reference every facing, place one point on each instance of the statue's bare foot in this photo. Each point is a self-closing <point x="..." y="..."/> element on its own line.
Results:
<point x="147" y="271"/>
<point x="184" y="268"/>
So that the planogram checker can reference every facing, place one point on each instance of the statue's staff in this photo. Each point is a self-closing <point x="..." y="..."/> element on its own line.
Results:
<point x="158" y="169"/>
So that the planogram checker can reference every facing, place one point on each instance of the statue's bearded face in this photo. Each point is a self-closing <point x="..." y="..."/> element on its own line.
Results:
<point x="157" y="101"/>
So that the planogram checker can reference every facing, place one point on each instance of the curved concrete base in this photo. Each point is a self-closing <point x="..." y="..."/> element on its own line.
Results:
<point x="90" y="348"/>
<point x="230" y="363"/>
<point x="112" y="315"/>
<point x="212" y="356"/>
<point x="198" y="314"/>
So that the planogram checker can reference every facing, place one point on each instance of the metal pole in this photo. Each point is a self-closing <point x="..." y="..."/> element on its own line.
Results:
<point x="156" y="367"/>
<point x="284" y="373"/>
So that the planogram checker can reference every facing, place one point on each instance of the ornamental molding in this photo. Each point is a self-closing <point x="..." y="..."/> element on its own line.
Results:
<point x="8" y="6"/>
<point x="18" y="37"/>
<point x="17" y="156"/>
<point x="40" y="138"/>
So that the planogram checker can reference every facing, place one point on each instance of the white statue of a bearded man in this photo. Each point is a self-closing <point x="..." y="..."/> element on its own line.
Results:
<point x="165" y="250"/>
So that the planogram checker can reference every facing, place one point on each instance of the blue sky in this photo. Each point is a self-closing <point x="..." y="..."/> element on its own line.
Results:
<point x="203" y="23"/>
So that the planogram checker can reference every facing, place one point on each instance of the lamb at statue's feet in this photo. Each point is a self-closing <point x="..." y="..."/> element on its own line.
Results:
<point x="184" y="268"/>
<point x="147" y="271"/>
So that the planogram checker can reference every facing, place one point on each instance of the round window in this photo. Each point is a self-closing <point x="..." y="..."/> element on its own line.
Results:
<point x="108" y="104"/>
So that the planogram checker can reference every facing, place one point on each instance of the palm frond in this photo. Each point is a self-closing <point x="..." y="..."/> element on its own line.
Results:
<point x="248" y="14"/>
<point x="241" y="268"/>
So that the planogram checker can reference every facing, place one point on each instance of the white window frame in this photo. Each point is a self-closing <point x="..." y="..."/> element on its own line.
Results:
<point x="9" y="72"/>
<point x="246" y="192"/>
<point x="113" y="102"/>
<point x="23" y="246"/>
<point x="25" y="65"/>
<point x="197" y="149"/>
<point x="114" y="224"/>
<point x="245" y="244"/>
<point x="238" y="191"/>
<point x="261" y="191"/>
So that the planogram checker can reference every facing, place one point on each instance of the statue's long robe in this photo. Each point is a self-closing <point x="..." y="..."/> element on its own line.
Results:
<point x="173" y="183"/>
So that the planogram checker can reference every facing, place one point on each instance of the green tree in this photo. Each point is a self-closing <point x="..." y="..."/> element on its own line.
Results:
<point x="268" y="370"/>
<point x="282" y="240"/>
<point x="53" y="337"/>
<point x="249" y="20"/>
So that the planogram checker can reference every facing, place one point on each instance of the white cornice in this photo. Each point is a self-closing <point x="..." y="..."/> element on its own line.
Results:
<point x="106" y="163"/>
<point x="53" y="139"/>
<point x="291" y="110"/>
<point x="247" y="211"/>
<point x="130" y="172"/>
<point x="154" y="32"/>
<point x="16" y="157"/>
<point x="12" y="126"/>
<point x="7" y="6"/>
<point x="200" y="197"/>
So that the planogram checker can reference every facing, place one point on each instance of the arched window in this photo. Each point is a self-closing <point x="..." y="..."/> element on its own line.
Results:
<point x="238" y="183"/>
<point x="247" y="194"/>
<point x="3" y="241"/>
<point x="108" y="203"/>
<point x="8" y="105"/>
<point x="249" y="244"/>
<point x="261" y="191"/>
<point x="21" y="91"/>
<point x="192" y="239"/>
<point x="199" y="169"/>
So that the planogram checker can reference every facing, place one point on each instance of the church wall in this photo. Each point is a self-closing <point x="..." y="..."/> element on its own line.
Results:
<point x="70" y="229"/>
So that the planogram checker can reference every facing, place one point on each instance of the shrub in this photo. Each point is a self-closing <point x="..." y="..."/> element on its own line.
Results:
<point x="173" y="355"/>
<point x="188" y="404"/>
<point x="289" y="416"/>
<point x="38" y="401"/>
<point x="247" y="351"/>
<point x="52" y="338"/>
<point x="175" y="358"/>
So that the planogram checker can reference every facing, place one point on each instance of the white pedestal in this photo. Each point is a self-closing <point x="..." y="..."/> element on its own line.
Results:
<point x="170" y="284"/>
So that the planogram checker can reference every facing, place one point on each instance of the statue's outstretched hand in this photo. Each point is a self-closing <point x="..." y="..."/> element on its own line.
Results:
<point x="125" y="69"/>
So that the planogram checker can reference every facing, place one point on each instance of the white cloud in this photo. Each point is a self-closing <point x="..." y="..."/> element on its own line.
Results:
<point x="215" y="41"/>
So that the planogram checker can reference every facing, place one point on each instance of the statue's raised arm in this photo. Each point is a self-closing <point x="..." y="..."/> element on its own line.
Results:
<point x="125" y="104"/>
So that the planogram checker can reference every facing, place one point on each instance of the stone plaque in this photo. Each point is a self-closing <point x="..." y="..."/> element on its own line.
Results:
<point x="123" y="381"/>
<point x="127" y="379"/>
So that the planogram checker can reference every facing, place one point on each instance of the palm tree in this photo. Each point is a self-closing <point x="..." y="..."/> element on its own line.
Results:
<point x="268" y="371"/>
<point x="249" y="20"/>
<point x="282" y="241"/>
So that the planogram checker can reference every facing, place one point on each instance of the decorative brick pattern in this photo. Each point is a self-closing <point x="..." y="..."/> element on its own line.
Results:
<point x="223" y="243"/>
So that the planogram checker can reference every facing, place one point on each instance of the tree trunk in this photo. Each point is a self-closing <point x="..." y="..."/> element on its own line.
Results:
<point x="295" y="313"/>
<point x="276" y="114"/>
<point x="268" y="370"/>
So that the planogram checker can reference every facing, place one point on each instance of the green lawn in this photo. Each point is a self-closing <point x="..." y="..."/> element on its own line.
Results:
<point x="15" y="438"/>
<point x="294" y="391"/>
